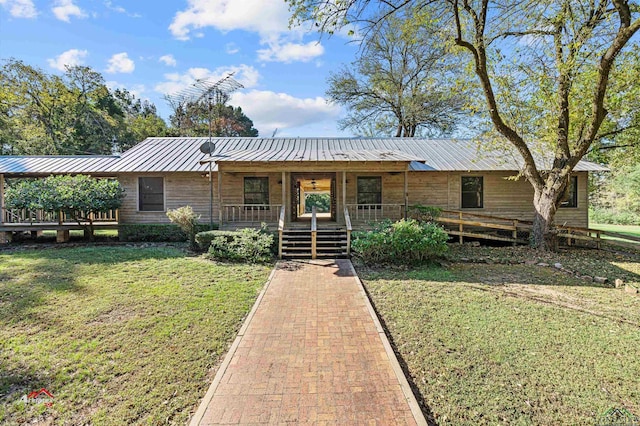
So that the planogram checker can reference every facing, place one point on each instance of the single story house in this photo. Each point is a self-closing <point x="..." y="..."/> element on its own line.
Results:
<point x="252" y="180"/>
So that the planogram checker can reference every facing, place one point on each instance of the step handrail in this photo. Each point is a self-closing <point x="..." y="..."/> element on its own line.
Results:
<point x="281" y="229"/>
<point x="314" y="232"/>
<point x="347" y="222"/>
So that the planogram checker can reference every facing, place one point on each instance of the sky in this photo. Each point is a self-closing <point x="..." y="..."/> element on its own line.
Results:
<point x="154" y="48"/>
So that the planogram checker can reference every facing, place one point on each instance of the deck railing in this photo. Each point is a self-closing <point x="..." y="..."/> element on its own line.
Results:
<point x="253" y="213"/>
<point x="375" y="212"/>
<point x="24" y="216"/>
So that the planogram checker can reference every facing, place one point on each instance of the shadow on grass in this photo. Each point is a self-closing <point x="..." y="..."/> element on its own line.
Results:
<point x="28" y="277"/>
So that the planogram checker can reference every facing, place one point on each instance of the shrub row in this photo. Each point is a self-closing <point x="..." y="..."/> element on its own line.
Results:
<point x="203" y="239"/>
<point x="153" y="232"/>
<point x="613" y="217"/>
<point x="406" y="242"/>
<point x="246" y="245"/>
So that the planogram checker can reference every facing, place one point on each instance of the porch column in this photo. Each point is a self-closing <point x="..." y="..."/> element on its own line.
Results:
<point x="219" y="197"/>
<point x="406" y="192"/>
<point x="1" y="198"/>
<point x="284" y="191"/>
<point x="344" y="190"/>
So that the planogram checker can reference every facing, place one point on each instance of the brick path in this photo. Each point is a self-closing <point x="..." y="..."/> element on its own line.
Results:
<point x="311" y="352"/>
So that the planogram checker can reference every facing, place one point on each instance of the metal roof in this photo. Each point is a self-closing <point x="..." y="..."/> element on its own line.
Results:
<point x="44" y="165"/>
<point x="183" y="155"/>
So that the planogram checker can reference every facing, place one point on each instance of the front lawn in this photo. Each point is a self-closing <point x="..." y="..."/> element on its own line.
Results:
<point x="492" y="343"/>
<point x="119" y="335"/>
<point x="632" y="230"/>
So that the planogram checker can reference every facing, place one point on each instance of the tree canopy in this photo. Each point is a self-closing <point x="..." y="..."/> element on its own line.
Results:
<point x="545" y="73"/>
<point x="191" y="118"/>
<point x="400" y="84"/>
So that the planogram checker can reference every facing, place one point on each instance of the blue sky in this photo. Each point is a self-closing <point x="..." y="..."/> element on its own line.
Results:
<point x="156" y="47"/>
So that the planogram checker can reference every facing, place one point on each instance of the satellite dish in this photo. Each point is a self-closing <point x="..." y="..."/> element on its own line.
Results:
<point x="208" y="147"/>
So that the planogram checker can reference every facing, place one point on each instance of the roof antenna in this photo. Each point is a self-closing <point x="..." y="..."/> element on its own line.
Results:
<point x="273" y="135"/>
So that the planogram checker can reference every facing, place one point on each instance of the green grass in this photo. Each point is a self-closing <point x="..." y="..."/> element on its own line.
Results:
<point x="513" y="344"/>
<point x="119" y="335"/>
<point x="632" y="230"/>
<point x="78" y="233"/>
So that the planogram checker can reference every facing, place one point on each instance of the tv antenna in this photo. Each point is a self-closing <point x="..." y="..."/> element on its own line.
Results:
<point x="213" y="92"/>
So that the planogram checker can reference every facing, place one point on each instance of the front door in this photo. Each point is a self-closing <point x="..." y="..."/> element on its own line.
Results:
<point x="310" y="190"/>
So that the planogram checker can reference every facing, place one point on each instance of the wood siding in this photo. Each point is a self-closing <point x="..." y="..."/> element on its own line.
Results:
<point x="501" y="196"/>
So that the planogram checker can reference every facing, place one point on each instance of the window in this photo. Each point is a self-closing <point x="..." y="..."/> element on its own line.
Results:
<point x="472" y="189"/>
<point x="570" y="196"/>
<point x="151" y="194"/>
<point x="370" y="190"/>
<point x="256" y="190"/>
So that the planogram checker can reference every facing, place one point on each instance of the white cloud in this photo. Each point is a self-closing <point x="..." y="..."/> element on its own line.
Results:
<point x="176" y="82"/>
<point x="168" y="60"/>
<point x="232" y="48"/>
<point x="70" y="58"/>
<point x="270" y="110"/>
<point x="262" y="16"/>
<point x="64" y="9"/>
<point x="20" y="8"/>
<point x="290" y="52"/>
<point x="120" y="62"/>
<point x="119" y="9"/>
<point x="268" y="18"/>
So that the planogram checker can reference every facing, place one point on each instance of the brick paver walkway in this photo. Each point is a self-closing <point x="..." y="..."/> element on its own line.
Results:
<point x="310" y="353"/>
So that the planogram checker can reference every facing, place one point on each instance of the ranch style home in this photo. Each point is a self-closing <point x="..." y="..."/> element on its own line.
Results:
<point x="249" y="181"/>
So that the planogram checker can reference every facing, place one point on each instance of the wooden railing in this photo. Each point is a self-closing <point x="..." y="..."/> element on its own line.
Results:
<point x="254" y="213"/>
<point x="314" y="232"/>
<point x="281" y="220"/>
<point x="375" y="212"/>
<point x="347" y="222"/>
<point x="23" y="216"/>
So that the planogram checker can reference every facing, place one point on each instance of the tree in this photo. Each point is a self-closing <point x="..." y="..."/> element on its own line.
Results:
<point x="543" y="68"/>
<point x="70" y="114"/>
<point x="78" y="196"/>
<point x="192" y="119"/>
<point x="398" y="85"/>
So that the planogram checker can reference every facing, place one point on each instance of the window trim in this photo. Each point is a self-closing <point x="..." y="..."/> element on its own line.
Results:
<point x="164" y="195"/>
<point x="574" y="205"/>
<point x="462" y="192"/>
<point x="361" y="205"/>
<point x="244" y="191"/>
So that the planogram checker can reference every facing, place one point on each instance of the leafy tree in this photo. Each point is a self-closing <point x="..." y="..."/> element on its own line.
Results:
<point x="321" y="201"/>
<point x="543" y="68"/>
<point x="70" y="114"/>
<point x="398" y="85"/>
<point x="141" y="120"/>
<point x="192" y="119"/>
<point x="77" y="196"/>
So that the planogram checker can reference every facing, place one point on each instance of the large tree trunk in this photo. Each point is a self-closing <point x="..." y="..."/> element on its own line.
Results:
<point x="543" y="234"/>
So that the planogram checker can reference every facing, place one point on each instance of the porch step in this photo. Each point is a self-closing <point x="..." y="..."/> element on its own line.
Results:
<point x="330" y="243"/>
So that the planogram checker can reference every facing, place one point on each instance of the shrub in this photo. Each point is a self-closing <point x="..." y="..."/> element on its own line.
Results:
<point x="609" y="216"/>
<point x="187" y="220"/>
<point x="203" y="239"/>
<point x="424" y="213"/>
<point x="406" y="242"/>
<point x="154" y="232"/>
<point x="247" y="245"/>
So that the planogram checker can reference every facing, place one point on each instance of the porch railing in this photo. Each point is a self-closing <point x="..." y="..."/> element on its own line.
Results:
<point x="24" y="216"/>
<point x="255" y="213"/>
<point x="375" y="212"/>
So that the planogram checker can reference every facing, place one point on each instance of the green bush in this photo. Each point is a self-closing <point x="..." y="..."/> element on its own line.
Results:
<point x="424" y="213"/>
<point x="406" y="242"/>
<point x="187" y="220"/>
<point x="154" y="232"/>
<point x="203" y="239"/>
<point x="248" y="245"/>
<point x="612" y="217"/>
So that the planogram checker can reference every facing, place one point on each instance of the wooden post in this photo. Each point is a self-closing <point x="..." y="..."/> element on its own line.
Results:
<point x="1" y="198"/>
<point x="62" y="236"/>
<point x="344" y="190"/>
<point x="515" y="232"/>
<point x="284" y="189"/>
<point x="569" y="237"/>
<point x="219" y="197"/>
<point x="598" y="240"/>
<point x="406" y="193"/>
<point x="314" y="233"/>
<point x="461" y="229"/>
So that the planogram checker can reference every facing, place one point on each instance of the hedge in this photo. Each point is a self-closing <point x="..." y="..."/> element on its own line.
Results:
<point x="203" y="239"/>
<point x="154" y="232"/>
